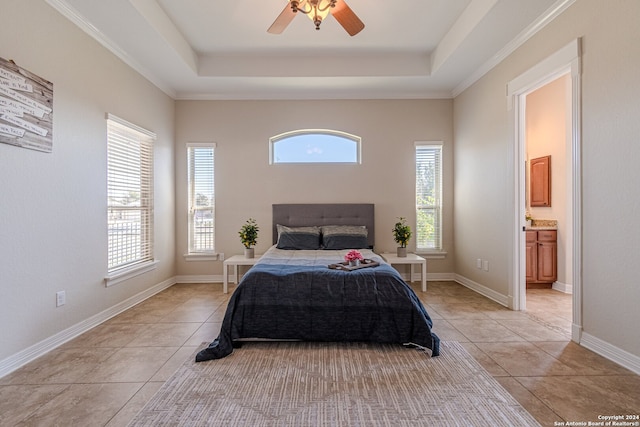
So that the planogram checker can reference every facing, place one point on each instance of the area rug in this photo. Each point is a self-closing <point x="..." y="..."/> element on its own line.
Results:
<point x="334" y="384"/>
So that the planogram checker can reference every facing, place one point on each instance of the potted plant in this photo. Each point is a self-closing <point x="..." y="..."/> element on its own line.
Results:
<point x="401" y="235"/>
<point x="248" y="236"/>
<point x="528" y="218"/>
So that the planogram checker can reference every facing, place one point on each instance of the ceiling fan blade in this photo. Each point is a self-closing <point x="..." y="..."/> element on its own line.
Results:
<point x="345" y="16"/>
<point x="282" y="21"/>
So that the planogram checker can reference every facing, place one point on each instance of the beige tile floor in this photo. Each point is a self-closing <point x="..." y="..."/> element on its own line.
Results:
<point x="105" y="376"/>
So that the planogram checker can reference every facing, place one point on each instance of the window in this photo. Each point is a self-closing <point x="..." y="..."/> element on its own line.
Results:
<point x="129" y="194"/>
<point x="200" y="162"/>
<point x="428" y="196"/>
<point x="314" y="146"/>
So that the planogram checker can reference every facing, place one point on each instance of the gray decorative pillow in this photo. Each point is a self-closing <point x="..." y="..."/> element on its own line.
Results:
<point x="344" y="237"/>
<point x="298" y="238"/>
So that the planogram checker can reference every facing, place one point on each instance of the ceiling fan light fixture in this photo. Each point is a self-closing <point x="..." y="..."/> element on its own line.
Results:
<point x="316" y="10"/>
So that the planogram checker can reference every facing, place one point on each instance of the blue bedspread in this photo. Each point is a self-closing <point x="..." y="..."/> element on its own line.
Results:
<point x="315" y="303"/>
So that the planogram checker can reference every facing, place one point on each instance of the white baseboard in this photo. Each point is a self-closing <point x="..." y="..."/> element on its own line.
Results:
<point x="205" y="278"/>
<point x="562" y="287"/>
<point x="441" y="277"/>
<point x="576" y="332"/>
<point x="483" y="290"/>
<point x="417" y="276"/>
<point x="611" y="352"/>
<point x="29" y="354"/>
<point x="603" y="348"/>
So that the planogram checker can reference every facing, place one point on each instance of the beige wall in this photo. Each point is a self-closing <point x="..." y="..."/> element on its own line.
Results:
<point x="548" y="133"/>
<point x="247" y="186"/>
<point x="53" y="210"/>
<point x="610" y="126"/>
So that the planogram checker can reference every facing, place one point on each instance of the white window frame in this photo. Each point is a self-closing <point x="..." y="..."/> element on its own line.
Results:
<point x="435" y="149"/>
<point x="194" y="252"/>
<point x="129" y="170"/>
<point x="301" y="132"/>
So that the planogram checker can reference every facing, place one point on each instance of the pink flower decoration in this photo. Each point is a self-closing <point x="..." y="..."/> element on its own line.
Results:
<point x="353" y="255"/>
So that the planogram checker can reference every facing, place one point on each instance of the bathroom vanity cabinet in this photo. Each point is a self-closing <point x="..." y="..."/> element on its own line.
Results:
<point x="542" y="257"/>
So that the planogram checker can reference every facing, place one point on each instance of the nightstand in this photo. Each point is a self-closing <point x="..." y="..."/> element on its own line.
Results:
<point x="234" y="262"/>
<point x="410" y="259"/>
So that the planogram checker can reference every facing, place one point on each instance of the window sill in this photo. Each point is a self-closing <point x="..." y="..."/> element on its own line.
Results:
<point x="204" y="256"/>
<point x="431" y="254"/>
<point x="128" y="273"/>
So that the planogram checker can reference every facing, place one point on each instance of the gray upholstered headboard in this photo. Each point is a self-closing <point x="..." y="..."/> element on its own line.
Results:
<point x="302" y="215"/>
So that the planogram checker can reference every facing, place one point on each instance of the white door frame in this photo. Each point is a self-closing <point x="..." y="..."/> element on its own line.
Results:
<point x="564" y="61"/>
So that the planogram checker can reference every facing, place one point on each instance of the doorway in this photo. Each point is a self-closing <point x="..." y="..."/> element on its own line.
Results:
<point x="565" y="62"/>
<point x="547" y="128"/>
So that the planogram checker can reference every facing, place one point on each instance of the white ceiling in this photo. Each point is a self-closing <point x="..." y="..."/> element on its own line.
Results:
<point x="208" y="49"/>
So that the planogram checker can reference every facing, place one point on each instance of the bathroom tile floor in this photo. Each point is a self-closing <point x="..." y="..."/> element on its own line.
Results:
<point x="103" y="377"/>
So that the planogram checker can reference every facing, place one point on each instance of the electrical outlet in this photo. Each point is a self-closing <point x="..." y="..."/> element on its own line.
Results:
<point x="61" y="298"/>
<point x="485" y="265"/>
<point x="221" y="256"/>
<point x="478" y="263"/>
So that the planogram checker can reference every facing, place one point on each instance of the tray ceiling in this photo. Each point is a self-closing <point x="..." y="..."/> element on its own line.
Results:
<point x="205" y="49"/>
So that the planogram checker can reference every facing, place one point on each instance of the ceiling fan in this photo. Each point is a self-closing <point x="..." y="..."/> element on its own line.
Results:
<point x="317" y="10"/>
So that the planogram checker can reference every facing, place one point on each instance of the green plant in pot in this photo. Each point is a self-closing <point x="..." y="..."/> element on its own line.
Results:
<point x="401" y="235"/>
<point x="249" y="236"/>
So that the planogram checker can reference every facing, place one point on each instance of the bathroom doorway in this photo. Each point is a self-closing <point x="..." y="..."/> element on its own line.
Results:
<point x="547" y="130"/>
<point x="561" y="69"/>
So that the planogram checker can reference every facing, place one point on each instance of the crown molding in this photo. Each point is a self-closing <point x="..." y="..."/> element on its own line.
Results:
<point x="310" y="96"/>
<point x="76" y="18"/>
<point x="550" y="14"/>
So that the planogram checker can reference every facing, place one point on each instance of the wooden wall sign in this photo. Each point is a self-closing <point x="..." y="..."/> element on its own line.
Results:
<point x="26" y="108"/>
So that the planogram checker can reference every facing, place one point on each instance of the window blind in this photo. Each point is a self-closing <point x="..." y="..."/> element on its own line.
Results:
<point x="129" y="194"/>
<point x="201" y="182"/>
<point x="428" y="196"/>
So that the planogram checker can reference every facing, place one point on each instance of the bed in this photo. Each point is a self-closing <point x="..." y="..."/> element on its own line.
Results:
<point x="291" y="293"/>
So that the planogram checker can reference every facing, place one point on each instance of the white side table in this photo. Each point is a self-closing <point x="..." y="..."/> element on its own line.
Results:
<point x="410" y="259"/>
<point x="234" y="262"/>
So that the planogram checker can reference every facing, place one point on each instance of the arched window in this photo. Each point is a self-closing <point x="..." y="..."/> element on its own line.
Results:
<point x="314" y="146"/>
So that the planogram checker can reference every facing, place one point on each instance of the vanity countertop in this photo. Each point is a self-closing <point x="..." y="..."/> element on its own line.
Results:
<point x="542" y="224"/>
